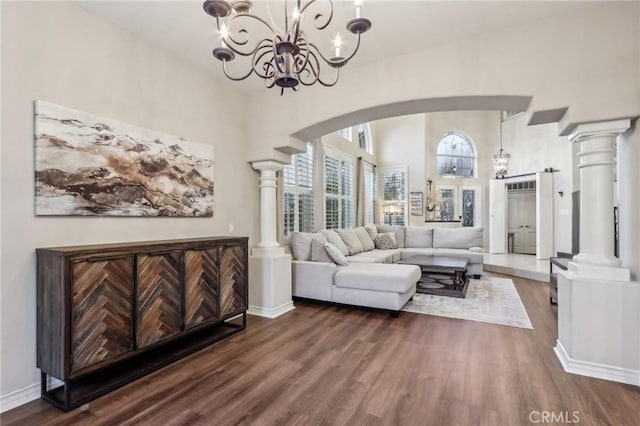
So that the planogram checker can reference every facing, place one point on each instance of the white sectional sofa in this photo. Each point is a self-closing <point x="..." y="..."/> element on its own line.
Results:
<point x="371" y="278"/>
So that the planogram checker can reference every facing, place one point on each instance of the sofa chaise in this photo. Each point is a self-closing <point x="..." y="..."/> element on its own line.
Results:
<point x="369" y="276"/>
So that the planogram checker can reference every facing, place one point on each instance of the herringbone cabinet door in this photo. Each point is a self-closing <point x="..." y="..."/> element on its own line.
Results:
<point x="232" y="279"/>
<point x="101" y="310"/>
<point x="201" y="286"/>
<point x="158" y="297"/>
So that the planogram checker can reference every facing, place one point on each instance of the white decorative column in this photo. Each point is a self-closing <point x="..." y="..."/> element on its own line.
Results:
<point x="269" y="265"/>
<point x="596" y="162"/>
<point x="598" y="305"/>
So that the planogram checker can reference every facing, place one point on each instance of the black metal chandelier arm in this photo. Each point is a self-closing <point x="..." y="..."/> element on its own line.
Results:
<point x="341" y="62"/>
<point x="257" y="60"/>
<point x="242" y="31"/>
<point x="303" y="56"/>
<point x="316" y="74"/>
<point x="250" y="53"/>
<point x="252" y="16"/>
<point x="230" y="77"/>
<point x="319" y="16"/>
<point x="325" y="84"/>
<point x="310" y="71"/>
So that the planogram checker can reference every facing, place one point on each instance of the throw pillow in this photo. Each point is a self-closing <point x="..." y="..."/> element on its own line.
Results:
<point x="334" y="238"/>
<point x="398" y="230"/>
<point x="386" y="241"/>
<point x="365" y="239"/>
<point x="335" y="254"/>
<point x="318" y="252"/>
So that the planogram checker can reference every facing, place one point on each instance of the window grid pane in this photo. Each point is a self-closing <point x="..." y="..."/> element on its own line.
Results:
<point x="370" y="195"/>
<point x="339" y="208"/>
<point x="394" y="197"/>
<point x="455" y="156"/>
<point x="297" y="180"/>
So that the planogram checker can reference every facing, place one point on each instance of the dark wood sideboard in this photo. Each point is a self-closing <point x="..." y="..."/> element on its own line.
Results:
<point x="111" y="313"/>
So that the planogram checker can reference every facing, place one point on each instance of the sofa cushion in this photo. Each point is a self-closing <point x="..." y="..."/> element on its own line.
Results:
<point x="408" y="252"/>
<point x="458" y="238"/>
<point x="386" y="241"/>
<point x="372" y="231"/>
<point x="365" y="239"/>
<point x="385" y="256"/>
<point x="351" y="240"/>
<point x="336" y="255"/>
<point x="399" y="231"/>
<point x="473" y="257"/>
<point x="301" y="244"/>
<point x="364" y="259"/>
<point x="378" y="277"/>
<point x="334" y="238"/>
<point x="318" y="252"/>
<point x="418" y="237"/>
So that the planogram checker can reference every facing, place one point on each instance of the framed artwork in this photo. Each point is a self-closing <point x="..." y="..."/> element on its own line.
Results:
<point x="415" y="203"/>
<point x="87" y="165"/>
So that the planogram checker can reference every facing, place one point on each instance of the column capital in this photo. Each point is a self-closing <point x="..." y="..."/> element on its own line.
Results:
<point x="267" y="165"/>
<point x="603" y="128"/>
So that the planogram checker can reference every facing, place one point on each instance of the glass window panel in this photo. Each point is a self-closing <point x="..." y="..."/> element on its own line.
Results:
<point x="468" y="207"/>
<point x="448" y="197"/>
<point x="332" y="214"/>
<point x="297" y="179"/>
<point x="455" y="156"/>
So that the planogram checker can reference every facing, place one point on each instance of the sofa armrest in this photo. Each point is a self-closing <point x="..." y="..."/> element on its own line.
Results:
<point x="313" y="280"/>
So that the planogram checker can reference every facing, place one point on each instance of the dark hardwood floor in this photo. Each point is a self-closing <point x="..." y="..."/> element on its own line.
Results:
<point x="328" y="365"/>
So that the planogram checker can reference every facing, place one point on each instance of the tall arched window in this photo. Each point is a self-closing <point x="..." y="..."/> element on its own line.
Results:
<point x="456" y="156"/>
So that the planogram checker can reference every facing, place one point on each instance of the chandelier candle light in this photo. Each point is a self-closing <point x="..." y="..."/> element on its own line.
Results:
<point x="287" y="58"/>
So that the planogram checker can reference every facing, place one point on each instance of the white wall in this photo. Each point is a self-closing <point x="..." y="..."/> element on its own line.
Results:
<point x="482" y="127"/>
<point x="592" y="69"/>
<point x="534" y="148"/>
<point x="60" y="53"/>
<point x="400" y="142"/>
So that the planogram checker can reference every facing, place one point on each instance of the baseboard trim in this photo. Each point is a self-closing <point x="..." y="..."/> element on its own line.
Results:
<point x="598" y="371"/>
<point x="27" y="394"/>
<point x="270" y="312"/>
<point x="19" y="397"/>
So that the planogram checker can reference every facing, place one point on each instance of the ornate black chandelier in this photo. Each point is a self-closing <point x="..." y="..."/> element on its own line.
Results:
<point x="287" y="58"/>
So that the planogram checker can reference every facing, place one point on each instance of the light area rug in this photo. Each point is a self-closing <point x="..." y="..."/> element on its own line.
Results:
<point x="493" y="300"/>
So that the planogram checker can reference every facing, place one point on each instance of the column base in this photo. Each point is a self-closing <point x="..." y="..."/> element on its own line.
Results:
<point x="598" y="328"/>
<point x="597" y="260"/>
<point x="588" y="271"/>
<point x="269" y="282"/>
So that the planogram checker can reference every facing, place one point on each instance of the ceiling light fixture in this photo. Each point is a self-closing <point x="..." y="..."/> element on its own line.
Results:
<point x="501" y="158"/>
<point x="287" y="58"/>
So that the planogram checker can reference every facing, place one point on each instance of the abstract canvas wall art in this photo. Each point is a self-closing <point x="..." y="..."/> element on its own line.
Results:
<point x="89" y="165"/>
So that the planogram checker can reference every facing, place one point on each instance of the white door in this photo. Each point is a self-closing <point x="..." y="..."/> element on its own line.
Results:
<point x="521" y="222"/>
<point x="497" y="216"/>
<point x="529" y="221"/>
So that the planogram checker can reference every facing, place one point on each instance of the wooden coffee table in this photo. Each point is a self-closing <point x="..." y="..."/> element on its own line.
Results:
<point x="441" y="275"/>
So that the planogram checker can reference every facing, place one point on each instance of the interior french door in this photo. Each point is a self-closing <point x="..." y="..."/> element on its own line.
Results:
<point x="461" y="202"/>
<point x="521" y="221"/>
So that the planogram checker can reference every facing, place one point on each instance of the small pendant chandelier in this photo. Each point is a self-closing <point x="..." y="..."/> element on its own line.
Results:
<point x="501" y="158"/>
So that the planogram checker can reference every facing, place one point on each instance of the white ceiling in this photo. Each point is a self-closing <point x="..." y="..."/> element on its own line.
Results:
<point x="399" y="27"/>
